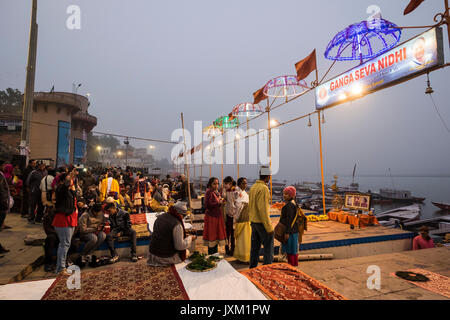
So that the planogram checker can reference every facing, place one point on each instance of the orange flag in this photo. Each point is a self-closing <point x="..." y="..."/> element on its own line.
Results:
<point x="413" y="4"/>
<point x="306" y="66"/>
<point x="259" y="95"/>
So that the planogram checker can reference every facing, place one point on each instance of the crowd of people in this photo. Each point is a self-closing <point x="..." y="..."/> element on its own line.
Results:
<point x="80" y="209"/>
<point x="245" y="225"/>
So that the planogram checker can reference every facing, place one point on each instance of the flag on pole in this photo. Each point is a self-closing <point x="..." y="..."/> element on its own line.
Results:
<point x="259" y="96"/>
<point x="306" y="66"/>
<point x="413" y="4"/>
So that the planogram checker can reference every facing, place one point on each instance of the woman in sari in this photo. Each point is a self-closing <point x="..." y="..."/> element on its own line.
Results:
<point x="214" y="233"/>
<point x="242" y="230"/>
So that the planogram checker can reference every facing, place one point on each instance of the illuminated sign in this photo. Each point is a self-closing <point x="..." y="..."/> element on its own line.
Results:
<point x="407" y="60"/>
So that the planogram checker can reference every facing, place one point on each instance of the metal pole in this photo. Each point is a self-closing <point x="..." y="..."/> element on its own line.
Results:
<point x="237" y="157"/>
<point x="223" y="149"/>
<point x="186" y="166"/>
<point x="210" y="156"/>
<point x="321" y="163"/>
<point x="270" y="150"/>
<point x="29" y="84"/>
<point x="201" y="170"/>
<point x="447" y="20"/>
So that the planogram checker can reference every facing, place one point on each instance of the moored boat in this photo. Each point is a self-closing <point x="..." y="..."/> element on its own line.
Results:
<point x="399" y="215"/>
<point x="442" y="206"/>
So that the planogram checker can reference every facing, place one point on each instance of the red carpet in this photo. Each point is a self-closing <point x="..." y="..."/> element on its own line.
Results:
<point x="438" y="283"/>
<point x="135" y="281"/>
<point x="281" y="281"/>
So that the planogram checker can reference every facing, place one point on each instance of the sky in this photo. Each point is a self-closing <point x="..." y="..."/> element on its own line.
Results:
<point x="146" y="62"/>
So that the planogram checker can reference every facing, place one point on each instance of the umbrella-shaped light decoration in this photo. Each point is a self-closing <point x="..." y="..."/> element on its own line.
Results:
<point x="365" y="40"/>
<point x="226" y="123"/>
<point x="284" y="87"/>
<point x="246" y="110"/>
<point x="211" y="131"/>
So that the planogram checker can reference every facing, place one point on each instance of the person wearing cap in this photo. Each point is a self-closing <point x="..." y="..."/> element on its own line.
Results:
<point x="120" y="224"/>
<point x="290" y="219"/>
<point x="423" y="240"/>
<point x="169" y="241"/>
<point x="262" y="230"/>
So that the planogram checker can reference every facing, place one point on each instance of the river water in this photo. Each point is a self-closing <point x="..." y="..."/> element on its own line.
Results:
<point x="435" y="189"/>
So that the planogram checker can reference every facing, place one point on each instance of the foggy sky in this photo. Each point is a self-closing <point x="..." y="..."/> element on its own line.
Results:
<point x="144" y="62"/>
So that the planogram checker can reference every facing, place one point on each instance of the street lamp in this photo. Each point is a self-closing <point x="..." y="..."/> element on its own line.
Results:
<point x="126" y="143"/>
<point x="99" y="149"/>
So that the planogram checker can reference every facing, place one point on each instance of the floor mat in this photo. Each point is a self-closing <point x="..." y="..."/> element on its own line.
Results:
<point x="438" y="283"/>
<point x="281" y="281"/>
<point x="131" y="282"/>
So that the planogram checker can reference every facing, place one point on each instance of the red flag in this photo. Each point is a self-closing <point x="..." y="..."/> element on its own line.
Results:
<point x="259" y="95"/>
<point x="192" y="150"/>
<point x="306" y="66"/>
<point x="413" y="4"/>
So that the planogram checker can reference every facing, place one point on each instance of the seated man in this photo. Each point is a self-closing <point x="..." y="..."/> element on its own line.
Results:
<point x="91" y="225"/>
<point x="423" y="240"/>
<point x="158" y="204"/>
<point x="169" y="239"/>
<point x="125" y="200"/>
<point x="120" y="224"/>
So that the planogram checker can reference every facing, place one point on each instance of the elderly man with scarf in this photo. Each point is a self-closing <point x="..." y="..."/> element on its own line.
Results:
<point x="169" y="241"/>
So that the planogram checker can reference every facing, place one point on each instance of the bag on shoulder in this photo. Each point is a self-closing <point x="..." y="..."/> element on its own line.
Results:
<point x="280" y="229"/>
<point x="279" y="232"/>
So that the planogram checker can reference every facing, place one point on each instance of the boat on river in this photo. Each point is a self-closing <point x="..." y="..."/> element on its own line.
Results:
<point x="399" y="216"/>
<point x="441" y="205"/>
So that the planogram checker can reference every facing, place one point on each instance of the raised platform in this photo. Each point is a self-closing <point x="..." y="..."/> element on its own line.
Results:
<point x="343" y="242"/>
<point x="349" y="276"/>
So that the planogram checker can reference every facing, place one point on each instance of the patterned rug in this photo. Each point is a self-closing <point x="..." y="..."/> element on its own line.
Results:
<point x="281" y="281"/>
<point x="136" y="281"/>
<point x="438" y="283"/>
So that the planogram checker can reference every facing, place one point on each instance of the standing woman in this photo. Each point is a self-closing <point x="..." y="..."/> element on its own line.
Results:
<point x="290" y="219"/>
<point x="66" y="218"/>
<point x="214" y="233"/>
<point x="243" y="230"/>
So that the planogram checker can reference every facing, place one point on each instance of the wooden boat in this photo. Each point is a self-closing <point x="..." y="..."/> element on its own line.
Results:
<point x="399" y="195"/>
<point x="442" y="206"/>
<point x="399" y="215"/>
<point x="437" y="225"/>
